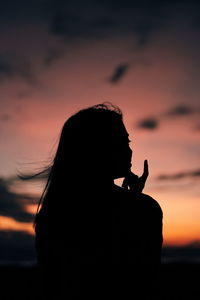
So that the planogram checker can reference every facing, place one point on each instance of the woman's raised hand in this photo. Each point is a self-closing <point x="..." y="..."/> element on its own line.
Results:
<point x="135" y="183"/>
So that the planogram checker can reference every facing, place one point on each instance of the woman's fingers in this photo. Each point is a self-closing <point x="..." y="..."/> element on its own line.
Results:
<point x="125" y="184"/>
<point x="143" y="178"/>
<point x="130" y="181"/>
<point x="135" y="183"/>
<point x="146" y="171"/>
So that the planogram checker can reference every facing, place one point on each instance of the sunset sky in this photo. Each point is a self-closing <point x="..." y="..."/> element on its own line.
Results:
<point x="57" y="57"/>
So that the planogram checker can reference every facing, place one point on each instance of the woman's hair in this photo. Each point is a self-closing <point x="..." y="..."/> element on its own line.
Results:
<point x="84" y="148"/>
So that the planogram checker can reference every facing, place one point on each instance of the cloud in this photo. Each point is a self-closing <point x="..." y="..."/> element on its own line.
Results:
<point x="75" y="25"/>
<point x="181" y="110"/>
<point x="100" y="19"/>
<point x="72" y="20"/>
<point x="178" y="111"/>
<point x="197" y="127"/>
<point x="146" y="28"/>
<point x="52" y="55"/>
<point x="12" y="66"/>
<point x="121" y="70"/>
<point x="180" y="175"/>
<point x="149" y="124"/>
<point x="12" y="204"/>
<point x="5" y="117"/>
<point x="118" y="73"/>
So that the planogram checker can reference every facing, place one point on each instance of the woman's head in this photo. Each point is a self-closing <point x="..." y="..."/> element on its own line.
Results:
<point x="94" y="141"/>
<point x="93" y="149"/>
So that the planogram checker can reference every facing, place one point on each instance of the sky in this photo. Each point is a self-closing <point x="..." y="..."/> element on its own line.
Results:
<point x="57" y="57"/>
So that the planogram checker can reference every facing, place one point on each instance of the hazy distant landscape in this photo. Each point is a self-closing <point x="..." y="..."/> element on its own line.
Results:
<point x="17" y="248"/>
<point x="20" y="279"/>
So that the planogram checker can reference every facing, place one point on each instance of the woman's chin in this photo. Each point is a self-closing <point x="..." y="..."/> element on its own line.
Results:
<point x="122" y="173"/>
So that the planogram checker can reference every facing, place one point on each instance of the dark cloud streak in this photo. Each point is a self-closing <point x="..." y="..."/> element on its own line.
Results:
<point x="11" y="204"/>
<point x="52" y="55"/>
<point x="178" y="111"/>
<point x="181" y="110"/>
<point x="88" y="20"/>
<point x="103" y="19"/>
<point x="5" y="117"/>
<point x="78" y="26"/>
<point x="12" y="66"/>
<point x="119" y="72"/>
<point x="148" y="123"/>
<point x="180" y="175"/>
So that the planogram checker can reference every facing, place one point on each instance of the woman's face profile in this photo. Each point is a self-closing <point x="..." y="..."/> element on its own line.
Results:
<point x="122" y="153"/>
<point x="97" y="142"/>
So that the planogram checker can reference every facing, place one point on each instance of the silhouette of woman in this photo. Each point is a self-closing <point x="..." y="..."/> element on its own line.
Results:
<point x="95" y="239"/>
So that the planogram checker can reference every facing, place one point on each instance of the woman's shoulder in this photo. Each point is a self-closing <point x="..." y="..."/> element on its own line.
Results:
<point x="151" y="204"/>
<point x="142" y="201"/>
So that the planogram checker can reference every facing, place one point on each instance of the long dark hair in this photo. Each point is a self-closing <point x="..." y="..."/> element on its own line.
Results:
<point x="84" y="148"/>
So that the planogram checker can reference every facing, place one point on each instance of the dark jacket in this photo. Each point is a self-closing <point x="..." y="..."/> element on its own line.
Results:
<point x="104" y="244"/>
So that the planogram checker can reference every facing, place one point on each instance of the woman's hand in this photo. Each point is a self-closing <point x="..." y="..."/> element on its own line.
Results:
<point x="133" y="182"/>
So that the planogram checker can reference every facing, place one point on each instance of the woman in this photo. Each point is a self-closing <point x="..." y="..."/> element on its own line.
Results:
<point x="95" y="239"/>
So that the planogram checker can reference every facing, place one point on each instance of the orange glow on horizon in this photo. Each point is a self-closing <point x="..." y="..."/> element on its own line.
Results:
<point x="176" y="231"/>
<point x="7" y="223"/>
<point x="31" y="208"/>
